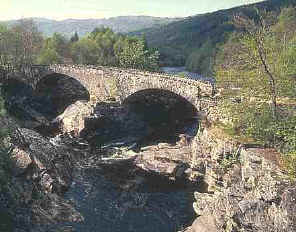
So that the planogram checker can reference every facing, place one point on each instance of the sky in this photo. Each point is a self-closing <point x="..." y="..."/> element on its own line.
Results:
<point x="82" y="9"/>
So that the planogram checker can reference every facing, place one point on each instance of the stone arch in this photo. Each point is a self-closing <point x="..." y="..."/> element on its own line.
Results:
<point x="164" y="110"/>
<point x="61" y="91"/>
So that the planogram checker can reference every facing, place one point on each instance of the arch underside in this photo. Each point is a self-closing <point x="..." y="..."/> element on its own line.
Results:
<point x="60" y="91"/>
<point x="164" y="111"/>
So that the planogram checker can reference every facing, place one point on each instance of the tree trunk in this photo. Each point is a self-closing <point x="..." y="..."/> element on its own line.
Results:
<point x="272" y="86"/>
<point x="273" y="98"/>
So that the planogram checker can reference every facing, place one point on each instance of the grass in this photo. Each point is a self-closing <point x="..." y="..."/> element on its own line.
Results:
<point x="289" y="164"/>
<point x="227" y="132"/>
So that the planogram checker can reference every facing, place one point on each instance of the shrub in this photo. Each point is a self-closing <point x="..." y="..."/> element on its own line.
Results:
<point x="255" y="120"/>
<point x="290" y="164"/>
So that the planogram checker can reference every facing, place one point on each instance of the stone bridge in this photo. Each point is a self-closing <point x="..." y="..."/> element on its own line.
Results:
<point x="106" y="82"/>
<point x="178" y="98"/>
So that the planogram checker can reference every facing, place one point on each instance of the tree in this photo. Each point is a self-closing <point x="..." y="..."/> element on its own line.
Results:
<point x="256" y="69"/>
<point x="286" y="23"/>
<point x="27" y="42"/>
<point x="133" y="55"/>
<point x="20" y="44"/>
<point x="201" y="59"/>
<point x="49" y="56"/>
<point x="104" y="47"/>
<point x="60" y="44"/>
<point x="74" y="38"/>
<point x="84" y="51"/>
<point x="54" y="49"/>
<point x="256" y="64"/>
<point x="4" y="45"/>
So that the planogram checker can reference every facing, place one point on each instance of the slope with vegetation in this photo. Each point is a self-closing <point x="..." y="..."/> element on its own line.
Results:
<point x="256" y="71"/>
<point x="194" y="41"/>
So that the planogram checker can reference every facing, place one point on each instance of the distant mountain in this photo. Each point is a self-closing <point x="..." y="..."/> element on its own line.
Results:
<point x="122" y="24"/>
<point x="180" y="41"/>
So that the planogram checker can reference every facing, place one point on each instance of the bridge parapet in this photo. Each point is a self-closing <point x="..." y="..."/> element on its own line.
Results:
<point x="104" y="81"/>
<point x="112" y="72"/>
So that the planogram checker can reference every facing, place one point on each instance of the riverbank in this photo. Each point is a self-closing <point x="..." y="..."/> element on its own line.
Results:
<point x="182" y="72"/>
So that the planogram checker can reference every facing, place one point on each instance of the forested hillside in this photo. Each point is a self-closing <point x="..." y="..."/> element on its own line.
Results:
<point x="121" y="24"/>
<point x="194" y="41"/>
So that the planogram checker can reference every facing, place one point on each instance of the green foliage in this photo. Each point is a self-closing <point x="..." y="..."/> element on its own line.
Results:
<point x="23" y="45"/>
<point x="53" y="50"/>
<point x="244" y="65"/>
<point x="20" y="44"/>
<point x="182" y="74"/>
<point x="74" y="38"/>
<point x="287" y="20"/>
<point x="104" y="47"/>
<point x="83" y="51"/>
<point x="49" y="56"/>
<point x="201" y="60"/>
<point x="286" y="134"/>
<point x="133" y="55"/>
<point x="290" y="164"/>
<point x="255" y="120"/>
<point x="259" y="63"/>
<point x="228" y="161"/>
<point x="59" y="43"/>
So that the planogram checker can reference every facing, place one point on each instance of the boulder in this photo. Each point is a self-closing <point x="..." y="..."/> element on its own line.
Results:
<point x="20" y="161"/>
<point x="204" y="223"/>
<point x="73" y="118"/>
<point x="164" y="158"/>
<point x="52" y="164"/>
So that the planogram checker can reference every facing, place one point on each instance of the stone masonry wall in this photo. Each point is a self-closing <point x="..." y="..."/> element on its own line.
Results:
<point x="104" y="82"/>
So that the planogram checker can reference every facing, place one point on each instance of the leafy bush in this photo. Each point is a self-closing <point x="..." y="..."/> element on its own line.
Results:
<point x="256" y="121"/>
<point x="290" y="164"/>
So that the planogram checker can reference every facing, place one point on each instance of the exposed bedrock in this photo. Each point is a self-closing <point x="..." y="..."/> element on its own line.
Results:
<point x="247" y="188"/>
<point x="50" y="165"/>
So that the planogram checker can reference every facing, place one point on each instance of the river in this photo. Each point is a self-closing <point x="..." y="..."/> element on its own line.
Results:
<point x="181" y="70"/>
<point x="97" y="194"/>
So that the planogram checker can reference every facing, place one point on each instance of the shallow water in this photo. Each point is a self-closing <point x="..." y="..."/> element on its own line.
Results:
<point x="190" y="75"/>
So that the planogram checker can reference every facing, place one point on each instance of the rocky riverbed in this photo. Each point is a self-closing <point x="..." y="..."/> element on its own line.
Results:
<point x="107" y="170"/>
<point x="105" y="167"/>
